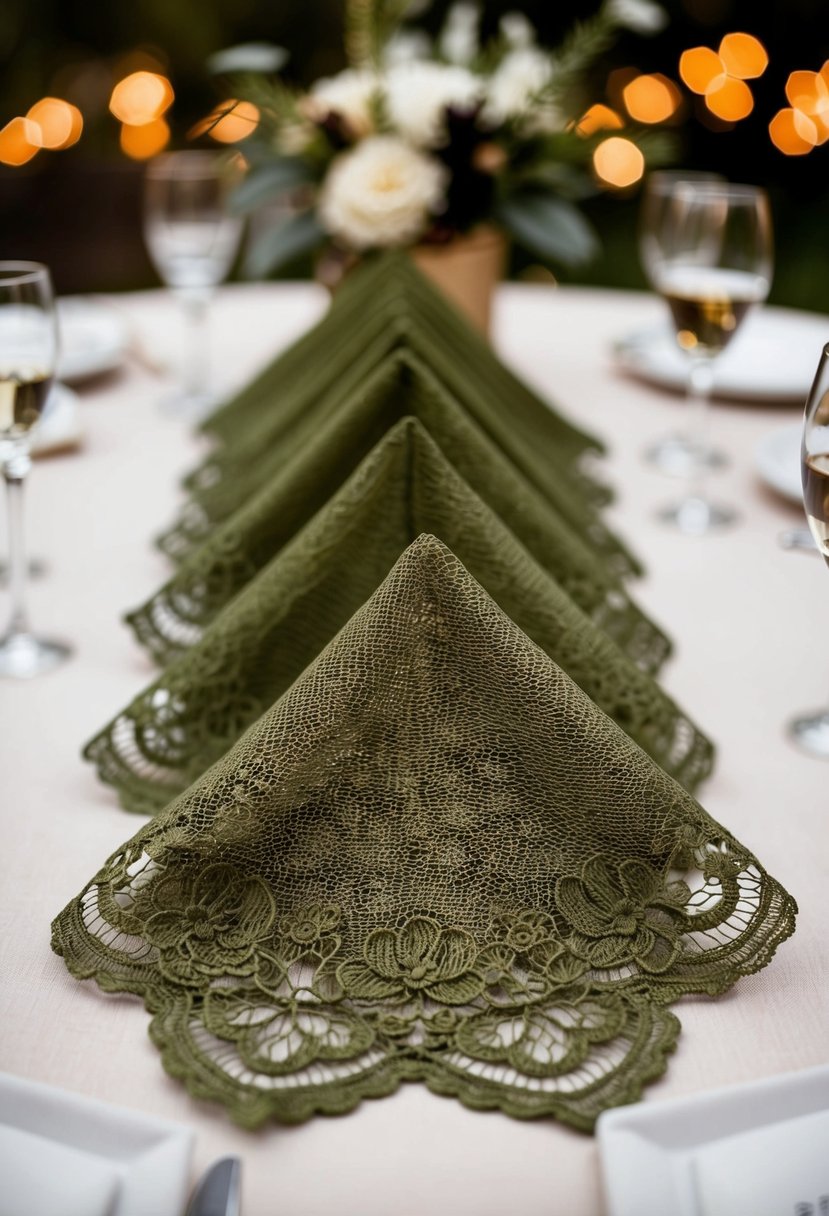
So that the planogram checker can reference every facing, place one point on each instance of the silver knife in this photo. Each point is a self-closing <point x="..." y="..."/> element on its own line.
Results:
<point x="219" y="1191"/>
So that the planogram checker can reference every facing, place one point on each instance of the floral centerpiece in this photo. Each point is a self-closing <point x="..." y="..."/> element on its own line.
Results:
<point x="420" y="141"/>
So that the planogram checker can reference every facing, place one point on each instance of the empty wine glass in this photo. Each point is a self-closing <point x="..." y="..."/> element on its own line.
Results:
<point x="192" y="241"/>
<point x="713" y="262"/>
<point x="674" y="454"/>
<point x="28" y="353"/>
<point x="811" y="731"/>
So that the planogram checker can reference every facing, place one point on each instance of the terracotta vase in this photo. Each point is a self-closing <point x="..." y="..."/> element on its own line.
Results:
<point x="467" y="269"/>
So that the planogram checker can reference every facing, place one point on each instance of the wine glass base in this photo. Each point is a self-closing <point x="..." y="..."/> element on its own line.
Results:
<point x="680" y="457"/>
<point x="697" y="516"/>
<point x="811" y="733"/>
<point x="22" y="655"/>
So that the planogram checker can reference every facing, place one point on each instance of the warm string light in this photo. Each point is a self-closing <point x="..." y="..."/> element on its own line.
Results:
<point x="651" y="98"/>
<point x="139" y="101"/>
<point x="50" y="123"/>
<point x="796" y="130"/>
<point x="618" y="162"/>
<point x="720" y="76"/>
<point x="229" y="123"/>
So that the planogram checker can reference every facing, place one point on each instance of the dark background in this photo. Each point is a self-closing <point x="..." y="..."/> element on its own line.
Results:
<point x="79" y="210"/>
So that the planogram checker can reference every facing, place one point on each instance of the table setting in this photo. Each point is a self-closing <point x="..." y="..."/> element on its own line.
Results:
<point x="414" y="796"/>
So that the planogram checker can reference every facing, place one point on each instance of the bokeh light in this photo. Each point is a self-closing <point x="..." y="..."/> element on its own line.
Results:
<point x="743" y="56"/>
<point x="651" y="98"/>
<point x="618" y="162"/>
<point x="790" y="134"/>
<point x="230" y="122"/>
<point x="146" y="140"/>
<point x="18" y="141"/>
<point x="59" y="123"/>
<point x="141" y="97"/>
<point x="701" y="69"/>
<point x="808" y="94"/>
<point x="598" y="118"/>
<point x="730" y="100"/>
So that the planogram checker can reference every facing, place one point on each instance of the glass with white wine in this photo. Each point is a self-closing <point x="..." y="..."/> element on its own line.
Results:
<point x="675" y="454"/>
<point x="714" y="262"/>
<point x="192" y="240"/>
<point x="28" y="353"/>
<point x="811" y="730"/>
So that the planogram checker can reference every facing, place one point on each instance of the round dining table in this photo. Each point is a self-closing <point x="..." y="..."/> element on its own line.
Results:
<point x="747" y="618"/>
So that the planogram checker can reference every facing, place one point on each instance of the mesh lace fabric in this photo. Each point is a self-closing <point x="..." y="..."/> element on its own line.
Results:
<point x="287" y="415"/>
<point x="284" y="617"/>
<point x="238" y="548"/>
<point x="433" y="859"/>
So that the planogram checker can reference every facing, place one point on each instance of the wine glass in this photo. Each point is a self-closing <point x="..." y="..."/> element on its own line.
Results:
<point x="674" y="454"/>
<point x="811" y="731"/>
<point x="28" y="353"/>
<point x="714" y="261"/>
<point x="192" y="241"/>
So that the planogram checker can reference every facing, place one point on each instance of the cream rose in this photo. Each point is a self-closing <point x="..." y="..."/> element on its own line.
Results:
<point x="348" y="94"/>
<point x="381" y="193"/>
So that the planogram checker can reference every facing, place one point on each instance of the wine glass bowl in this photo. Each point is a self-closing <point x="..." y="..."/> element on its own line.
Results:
<point x="192" y="241"/>
<point x="811" y="730"/>
<point x="28" y="354"/>
<point x="712" y="261"/>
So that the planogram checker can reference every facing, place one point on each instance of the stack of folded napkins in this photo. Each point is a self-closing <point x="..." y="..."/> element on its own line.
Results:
<point x="421" y="807"/>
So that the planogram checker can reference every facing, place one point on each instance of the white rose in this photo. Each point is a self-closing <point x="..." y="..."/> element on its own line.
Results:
<point x="519" y="76"/>
<point x="381" y="193"/>
<point x="349" y="93"/>
<point x="641" y="16"/>
<point x="417" y="95"/>
<point x="459" y="39"/>
<point x="516" y="30"/>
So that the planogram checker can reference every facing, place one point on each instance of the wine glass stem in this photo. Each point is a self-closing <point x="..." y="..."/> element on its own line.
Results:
<point x="194" y="306"/>
<point x="700" y="384"/>
<point x="15" y="469"/>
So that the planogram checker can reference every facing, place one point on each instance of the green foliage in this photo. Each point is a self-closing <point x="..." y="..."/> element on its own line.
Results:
<point x="550" y="227"/>
<point x="282" y="243"/>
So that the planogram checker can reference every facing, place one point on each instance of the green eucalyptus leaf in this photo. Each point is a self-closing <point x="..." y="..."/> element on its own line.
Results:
<point x="268" y="182"/>
<point x="280" y="244"/>
<point x="550" y="227"/>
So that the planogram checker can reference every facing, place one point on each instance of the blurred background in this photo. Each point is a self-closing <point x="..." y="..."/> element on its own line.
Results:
<point x="79" y="207"/>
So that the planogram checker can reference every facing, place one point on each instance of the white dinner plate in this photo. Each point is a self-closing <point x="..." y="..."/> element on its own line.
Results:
<point x="61" y="1153"/>
<point x="93" y="338"/>
<point x="59" y="430"/>
<point x="772" y="358"/>
<point x="777" y="460"/>
<point x="749" y="1150"/>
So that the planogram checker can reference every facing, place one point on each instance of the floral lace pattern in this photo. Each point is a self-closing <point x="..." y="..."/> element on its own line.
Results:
<point x="433" y="859"/>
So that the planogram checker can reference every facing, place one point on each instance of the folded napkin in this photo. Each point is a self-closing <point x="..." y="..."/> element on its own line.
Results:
<point x="435" y="859"/>
<point x="238" y="548"/>
<point x="380" y="287"/>
<point x="234" y="472"/>
<point x="282" y="619"/>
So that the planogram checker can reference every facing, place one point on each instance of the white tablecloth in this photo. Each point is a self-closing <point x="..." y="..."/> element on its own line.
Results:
<point x="749" y="623"/>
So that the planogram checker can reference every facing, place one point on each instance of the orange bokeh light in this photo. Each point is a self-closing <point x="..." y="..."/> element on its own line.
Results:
<point x="789" y="133"/>
<point x="59" y="123"/>
<point x="651" y="98"/>
<point x="18" y="141"/>
<point x="140" y="143"/>
<point x="743" y="56"/>
<point x="808" y="93"/>
<point x="598" y="118"/>
<point x="141" y="97"/>
<point x="730" y="100"/>
<point x="618" y="162"/>
<point x="701" y="69"/>
<point x="230" y="122"/>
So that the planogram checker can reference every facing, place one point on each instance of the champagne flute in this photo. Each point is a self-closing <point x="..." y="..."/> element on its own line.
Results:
<point x="192" y="241"/>
<point x="714" y="263"/>
<point x="674" y="454"/>
<point x="811" y="731"/>
<point x="28" y="353"/>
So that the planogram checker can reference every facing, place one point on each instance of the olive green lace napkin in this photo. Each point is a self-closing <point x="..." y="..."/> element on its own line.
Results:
<point x="283" y="618"/>
<point x="385" y="288"/>
<point x="530" y="437"/>
<point x="237" y="549"/>
<point x="433" y="859"/>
